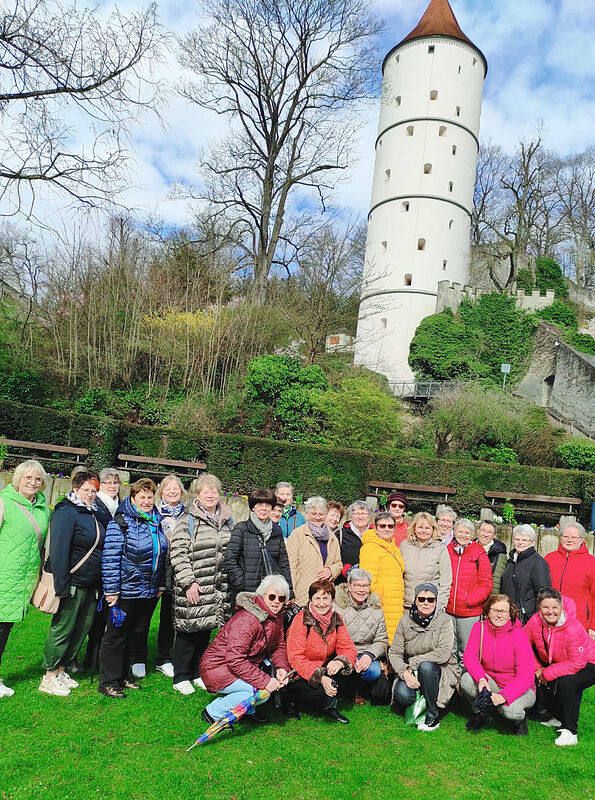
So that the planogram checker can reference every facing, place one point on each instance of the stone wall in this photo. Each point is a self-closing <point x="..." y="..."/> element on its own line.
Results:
<point x="450" y="296"/>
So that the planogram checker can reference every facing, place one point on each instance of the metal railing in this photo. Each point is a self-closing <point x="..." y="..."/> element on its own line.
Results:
<point x="421" y="389"/>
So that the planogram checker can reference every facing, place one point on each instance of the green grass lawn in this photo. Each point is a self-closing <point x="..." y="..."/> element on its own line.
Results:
<point x="88" y="746"/>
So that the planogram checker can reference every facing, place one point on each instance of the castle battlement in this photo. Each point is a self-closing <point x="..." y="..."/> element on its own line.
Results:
<point x="450" y="295"/>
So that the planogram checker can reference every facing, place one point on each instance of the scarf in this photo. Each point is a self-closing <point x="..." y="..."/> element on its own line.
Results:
<point x="171" y="511"/>
<point x="111" y="503"/>
<point x="357" y="532"/>
<point x="74" y="498"/>
<point x="459" y="548"/>
<point x="324" y="620"/>
<point x="320" y="532"/>
<point x="288" y="511"/>
<point x="265" y="528"/>
<point x="417" y="617"/>
<point x="213" y="518"/>
<point x="153" y="524"/>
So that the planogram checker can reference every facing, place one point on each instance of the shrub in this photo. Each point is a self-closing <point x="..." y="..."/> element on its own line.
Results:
<point x="582" y="341"/>
<point x="549" y="275"/>
<point x="23" y="386"/>
<point x="443" y="348"/>
<point x="499" y="454"/>
<point x="559" y="313"/>
<point x="577" y="454"/>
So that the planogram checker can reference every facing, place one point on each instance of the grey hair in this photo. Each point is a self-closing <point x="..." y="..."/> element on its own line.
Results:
<point x="448" y="510"/>
<point x="359" y="504"/>
<point x="465" y="523"/>
<point x="526" y="530"/>
<point x="283" y="485"/>
<point x="273" y="580"/>
<point x="579" y="528"/>
<point x="316" y="502"/>
<point x="384" y="515"/>
<point x="108" y="472"/>
<point x="206" y="479"/>
<point x="359" y="574"/>
<point x="24" y="466"/>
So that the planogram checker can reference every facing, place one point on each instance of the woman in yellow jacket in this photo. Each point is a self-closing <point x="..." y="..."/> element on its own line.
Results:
<point x="382" y="558"/>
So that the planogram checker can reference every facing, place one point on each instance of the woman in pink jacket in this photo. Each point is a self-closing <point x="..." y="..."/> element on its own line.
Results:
<point x="565" y="661"/>
<point x="498" y="658"/>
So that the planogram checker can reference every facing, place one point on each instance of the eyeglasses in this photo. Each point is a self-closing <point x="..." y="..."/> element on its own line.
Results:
<point x="35" y="479"/>
<point x="501" y="612"/>
<point x="111" y="483"/>
<point x="385" y="525"/>
<point x="280" y="597"/>
<point x="430" y="600"/>
<point x="361" y="587"/>
<point x="397" y="505"/>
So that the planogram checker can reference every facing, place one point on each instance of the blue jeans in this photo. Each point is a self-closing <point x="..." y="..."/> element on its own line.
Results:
<point x="235" y="693"/>
<point x="372" y="673"/>
<point x="428" y="675"/>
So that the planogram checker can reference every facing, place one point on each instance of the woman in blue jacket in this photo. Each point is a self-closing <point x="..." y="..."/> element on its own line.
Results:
<point x="133" y="572"/>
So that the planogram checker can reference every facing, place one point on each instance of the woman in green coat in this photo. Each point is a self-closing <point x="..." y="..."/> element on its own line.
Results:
<point x="24" y="517"/>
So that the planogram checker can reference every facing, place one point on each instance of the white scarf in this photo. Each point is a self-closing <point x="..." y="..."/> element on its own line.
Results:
<point x="111" y="503"/>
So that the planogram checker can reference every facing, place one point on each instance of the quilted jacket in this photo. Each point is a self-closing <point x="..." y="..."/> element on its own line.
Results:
<point x="305" y="560"/>
<point x="72" y="535"/>
<point x="19" y="552"/>
<point x="365" y="623"/>
<point x="243" y="559"/>
<point x="133" y="561"/>
<point x="573" y="574"/>
<point x="384" y="562"/>
<point x="429" y="562"/>
<point x="471" y="580"/>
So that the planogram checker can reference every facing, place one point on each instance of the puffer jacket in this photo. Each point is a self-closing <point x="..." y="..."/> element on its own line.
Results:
<point x="384" y="562"/>
<point x="413" y="644"/>
<point x="20" y="560"/>
<point x="305" y="560"/>
<point x="251" y="635"/>
<point x="523" y="578"/>
<point x="309" y="649"/>
<point x="496" y="554"/>
<point x="471" y="580"/>
<point x="423" y="563"/>
<point x="243" y="560"/>
<point x="72" y="535"/>
<point x="506" y="657"/>
<point x="198" y="557"/>
<point x="573" y="574"/>
<point x="133" y="560"/>
<point x="365" y="623"/>
<point x="562" y="649"/>
<point x="168" y="523"/>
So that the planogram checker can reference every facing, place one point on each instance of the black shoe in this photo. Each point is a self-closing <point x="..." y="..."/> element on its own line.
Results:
<point x="256" y="719"/>
<point x="290" y="711"/>
<point x="476" y="722"/>
<point x="336" y="716"/>
<point x="111" y="691"/>
<point x="74" y="668"/>
<point x="520" y="729"/>
<point x="206" y="717"/>
<point x="128" y="684"/>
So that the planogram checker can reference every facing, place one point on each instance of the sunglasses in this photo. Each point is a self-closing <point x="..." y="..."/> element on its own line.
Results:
<point x="430" y="600"/>
<point x="381" y="525"/>
<point x="280" y="597"/>
<point x="397" y="505"/>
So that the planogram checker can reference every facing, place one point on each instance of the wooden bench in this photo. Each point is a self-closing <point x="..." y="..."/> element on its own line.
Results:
<point x="411" y="488"/>
<point x="531" y="500"/>
<point x="183" y="469"/>
<point x="40" y="449"/>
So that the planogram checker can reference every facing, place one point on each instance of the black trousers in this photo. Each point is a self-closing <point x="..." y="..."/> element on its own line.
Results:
<point x="116" y="645"/>
<point x="312" y="700"/>
<point x="562" y="697"/>
<point x="166" y="633"/>
<point x="188" y="651"/>
<point x="139" y="648"/>
<point x="91" y="659"/>
<point x="5" y="629"/>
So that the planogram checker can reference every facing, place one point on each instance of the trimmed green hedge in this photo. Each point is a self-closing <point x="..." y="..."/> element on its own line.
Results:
<point x="243" y="462"/>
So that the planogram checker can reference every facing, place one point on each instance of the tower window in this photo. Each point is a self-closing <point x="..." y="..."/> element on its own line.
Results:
<point x="387" y="174"/>
<point x="459" y="69"/>
<point x="379" y="142"/>
<point x="431" y="49"/>
<point x="397" y="59"/>
<point x="434" y="94"/>
<point x="442" y="130"/>
<point x="421" y="245"/>
<point x="450" y="185"/>
<point x="458" y="111"/>
<point x="398" y="100"/>
<point x="454" y="149"/>
<point x="407" y="280"/>
<point x="409" y="130"/>
<point x="444" y="263"/>
<point x="450" y="224"/>
<point x="427" y="169"/>
<point x="474" y="61"/>
<point x="384" y="245"/>
<point x="383" y="322"/>
<point x="405" y="205"/>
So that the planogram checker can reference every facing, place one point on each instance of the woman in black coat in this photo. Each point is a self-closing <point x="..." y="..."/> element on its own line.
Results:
<point x="256" y="547"/>
<point x="525" y="573"/>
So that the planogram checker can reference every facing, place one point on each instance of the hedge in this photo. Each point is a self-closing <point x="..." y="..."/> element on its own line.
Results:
<point x="243" y="462"/>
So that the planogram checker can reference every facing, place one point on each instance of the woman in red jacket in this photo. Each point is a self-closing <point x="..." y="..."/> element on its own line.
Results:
<point x="319" y="649"/>
<point x="230" y="665"/>
<point x="572" y="568"/>
<point x="498" y="657"/>
<point x="471" y="583"/>
<point x="565" y="661"/>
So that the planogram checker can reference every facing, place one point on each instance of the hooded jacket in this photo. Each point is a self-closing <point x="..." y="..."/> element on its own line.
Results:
<point x="496" y="554"/>
<point x="133" y="560"/>
<point x="573" y="575"/>
<point x="506" y="657"/>
<point x="20" y="560"/>
<point x="251" y="635"/>
<point x="384" y="562"/>
<point x="243" y="559"/>
<point x="522" y="579"/>
<point x="309" y="649"/>
<point x="471" y="580"/>
<point x="72" y="535"/>
<point x="365" y="623"/>
<point x="562" y="649"/>
<point x="423" y="563"/>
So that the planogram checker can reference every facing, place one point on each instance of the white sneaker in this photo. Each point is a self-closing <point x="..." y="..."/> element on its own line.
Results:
<point x="54" y="686"/>
<point x="566" y="738"/>
<point x="139" y="670"/>
<point x="5" y="691"/>
<point x="552" y="723"/>
<point x="66" y="680"/>
<point x="184" y="687"/>
<point x="428" y="728"/>
<point x="199" y="683"/>
<point x="167" y="669"/>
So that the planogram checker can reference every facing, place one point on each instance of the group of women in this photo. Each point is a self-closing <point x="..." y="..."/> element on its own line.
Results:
<point x="428" y="606"/>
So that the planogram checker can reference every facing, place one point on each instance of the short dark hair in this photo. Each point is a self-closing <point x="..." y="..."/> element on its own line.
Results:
<point x="321" y="586"/>
<point x="83" y="476"/>
<point x="337" y="505"/>
<point x="488" y="522"/>
<point x="143" y="485"/>
<point x="547" y="593"/>
<point x="501" y="598"/>
<point x="261" y="496"/>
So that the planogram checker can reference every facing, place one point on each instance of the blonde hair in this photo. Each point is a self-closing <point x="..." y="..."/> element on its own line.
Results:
<point x="23" y="467"/>
<point x="163" y="484"/>
<point x="206" y="479"/>
<point x="425" y="515"/>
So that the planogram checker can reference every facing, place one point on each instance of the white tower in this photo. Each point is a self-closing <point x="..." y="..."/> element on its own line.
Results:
<point x="422" y="190"/>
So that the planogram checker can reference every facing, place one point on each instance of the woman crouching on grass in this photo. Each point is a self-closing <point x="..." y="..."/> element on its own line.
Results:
<point x="232" y="664"/>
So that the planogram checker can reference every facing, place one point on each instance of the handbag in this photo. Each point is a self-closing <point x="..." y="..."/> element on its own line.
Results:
<point x="381" y="690"/>
<point x="44" y="595"/>
<point x="416" y="712"/>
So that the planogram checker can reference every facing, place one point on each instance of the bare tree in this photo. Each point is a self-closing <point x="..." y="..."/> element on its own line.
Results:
<point x="57" y="63"/>
<point x="576" y="191"/>
<point x="289" y="74"/>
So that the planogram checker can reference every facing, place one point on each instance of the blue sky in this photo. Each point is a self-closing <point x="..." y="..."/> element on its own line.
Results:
<point x="541" y="67"/>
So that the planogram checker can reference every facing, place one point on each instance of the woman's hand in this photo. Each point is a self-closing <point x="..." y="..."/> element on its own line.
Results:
<point x="324" y="574"/>
<point x="362" y="663"/>
<point x="282" y="677"/>
<point x="483" y="684"/>
<point x="327" y="685"/>
<point x="193" y="594"/>
<point x="498" y="699"/>
<point x="273" y="685"/>
<point x="111" y="599"/>
<point x="410" y="680"/>
<point x="539" y="676"/>
<point x="333" y="667"/>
